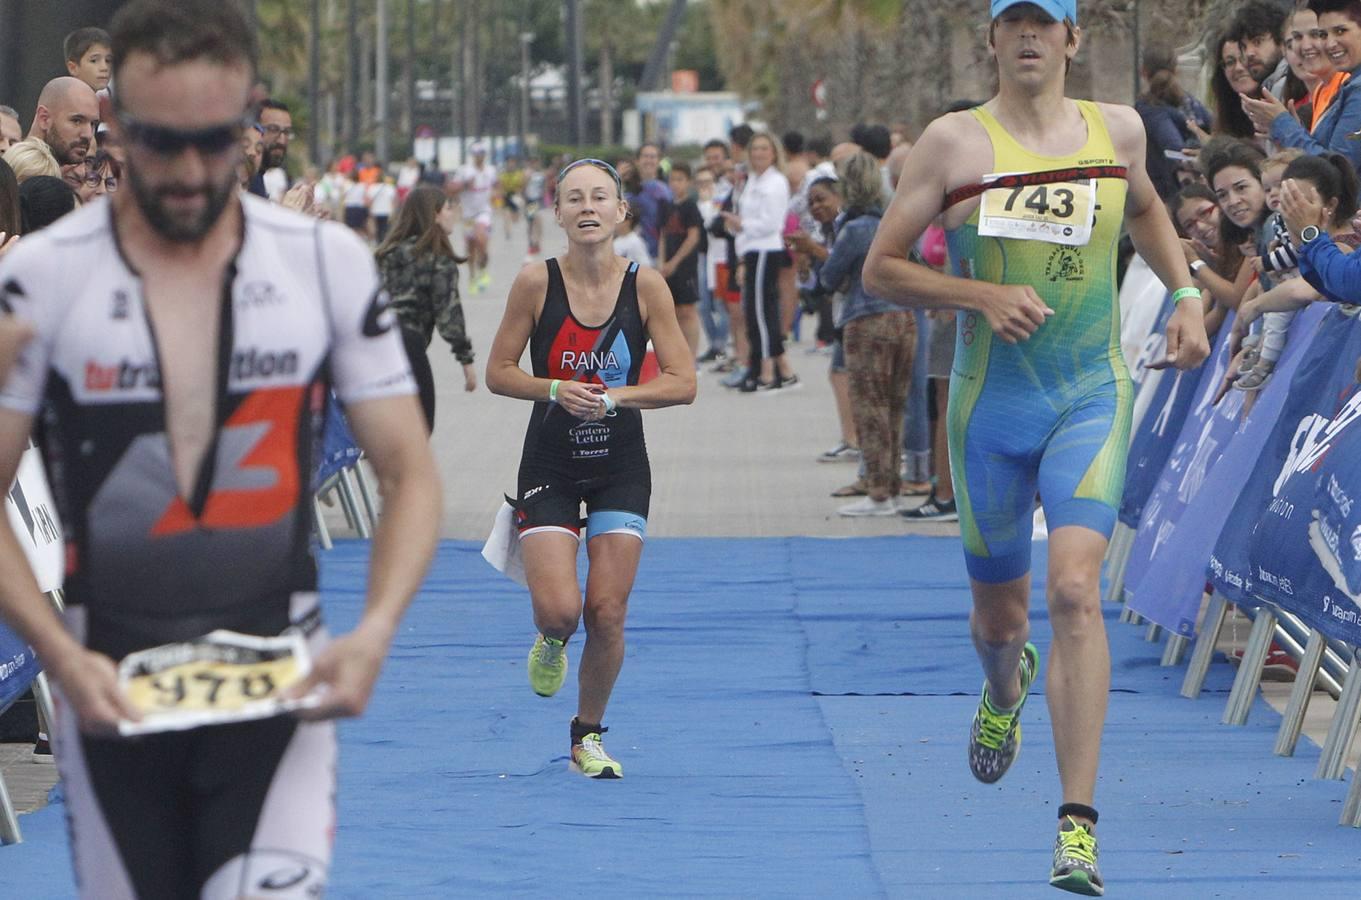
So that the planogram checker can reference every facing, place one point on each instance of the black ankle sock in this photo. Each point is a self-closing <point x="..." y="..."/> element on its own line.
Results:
<point x="1078" y="810"/>
<point x="581" y="729"/>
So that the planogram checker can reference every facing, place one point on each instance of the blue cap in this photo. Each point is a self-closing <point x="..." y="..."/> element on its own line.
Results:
<point x="1059" y="9"/>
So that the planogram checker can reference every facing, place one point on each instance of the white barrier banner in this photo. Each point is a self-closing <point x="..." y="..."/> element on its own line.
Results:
<point x="33" y="516"/>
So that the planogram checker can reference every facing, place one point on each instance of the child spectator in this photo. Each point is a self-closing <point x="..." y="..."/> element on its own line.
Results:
<point x="89" y="56"/>
<point x="628" y="243"/>
<point x="682" y="242"/>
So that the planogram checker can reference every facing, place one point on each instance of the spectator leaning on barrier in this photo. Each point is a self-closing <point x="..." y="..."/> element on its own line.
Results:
<point x="1333" y="181"/>
<point x="1318" y="199"/>
<point x="1214" y="266"/>
<point x="1341" y="20"/>
<point x="1233" y="169"/>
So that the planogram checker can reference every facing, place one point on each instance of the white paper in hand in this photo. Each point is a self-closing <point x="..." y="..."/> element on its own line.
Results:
<point x="502" y="548"/>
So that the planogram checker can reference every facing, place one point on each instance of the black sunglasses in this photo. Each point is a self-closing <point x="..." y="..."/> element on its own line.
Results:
<point x="168" y="141"/>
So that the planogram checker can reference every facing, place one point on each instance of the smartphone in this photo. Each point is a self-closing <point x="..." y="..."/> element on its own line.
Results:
<point x="1178" y="155"/>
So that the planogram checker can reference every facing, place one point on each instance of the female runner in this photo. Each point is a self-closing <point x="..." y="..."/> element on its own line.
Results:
<point x="587" y="319"/>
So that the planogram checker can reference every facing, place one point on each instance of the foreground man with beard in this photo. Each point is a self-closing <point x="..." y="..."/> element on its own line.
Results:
<point x="185" y="338"/>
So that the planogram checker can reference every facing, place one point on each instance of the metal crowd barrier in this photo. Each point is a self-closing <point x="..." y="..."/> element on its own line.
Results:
<point x="353" y="487"/>
<point x="1331" y="665"/>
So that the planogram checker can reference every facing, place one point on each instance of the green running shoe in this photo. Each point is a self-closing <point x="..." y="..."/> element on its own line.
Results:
<point x="1075" y="853"/>
<point x="590" y="759"/>
<point x="547" y="665"/>
<point x="995" y="737"/>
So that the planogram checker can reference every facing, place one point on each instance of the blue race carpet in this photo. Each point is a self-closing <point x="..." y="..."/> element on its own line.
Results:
<point x="791" y="719"/>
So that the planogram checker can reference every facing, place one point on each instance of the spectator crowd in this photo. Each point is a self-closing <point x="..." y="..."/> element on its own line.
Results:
<point x="762" y="236"/>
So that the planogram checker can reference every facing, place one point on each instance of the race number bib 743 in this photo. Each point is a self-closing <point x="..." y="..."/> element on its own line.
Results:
<point x="1061" y="212"/>
<point x="219" y="678"/>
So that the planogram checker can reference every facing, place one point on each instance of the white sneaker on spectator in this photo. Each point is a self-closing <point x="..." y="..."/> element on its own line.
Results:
<point x="868" y="506"/>
<point x="842" y="452"/>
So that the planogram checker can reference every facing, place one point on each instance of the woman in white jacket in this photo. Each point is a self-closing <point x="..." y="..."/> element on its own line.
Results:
<point x="759" y="227"/>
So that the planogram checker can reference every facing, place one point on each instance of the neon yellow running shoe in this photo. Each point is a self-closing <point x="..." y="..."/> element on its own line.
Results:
<point x="995" y="737"/>
<point x="590" y="759"/>
<point x="547" y="665"/>
<point x="1075" y="853"/>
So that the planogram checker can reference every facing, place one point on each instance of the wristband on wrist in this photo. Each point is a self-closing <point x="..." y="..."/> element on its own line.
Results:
<point x="553" y="390"/>
<point x="1185" y="293"/>
<point x="610" y="404"/>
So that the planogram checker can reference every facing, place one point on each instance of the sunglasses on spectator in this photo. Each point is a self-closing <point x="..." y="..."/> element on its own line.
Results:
<point x="169" y="141"/>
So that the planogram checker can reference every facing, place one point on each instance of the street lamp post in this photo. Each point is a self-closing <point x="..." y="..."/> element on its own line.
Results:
<point x="380" y="106"/>
<point x="526" y="38"/>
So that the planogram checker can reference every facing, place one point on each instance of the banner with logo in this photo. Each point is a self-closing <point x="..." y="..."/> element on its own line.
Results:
<point x="1145" y="305"/>
<point x="1160" y="410"/>
<point x="1293" y="536"/>
<point x="33" y="517"/>
<point x="339" y="450"/>
<point x="1171" y="591"/>
<point x="18" y="667"/>
<point x="1319" y="374"/>
<point x="1204" y="434"/>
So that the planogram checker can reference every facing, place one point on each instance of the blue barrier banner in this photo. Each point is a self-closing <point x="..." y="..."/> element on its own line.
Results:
<point x="18" y="667"/>
<point x="1303" y="551"/>
<point x="1312" y="381"/>
<point x="1170" y="594"/>
<point x="1157" y="431"/>
<point x="1335" y="533"/>
<point x="1207" y="430"/>
<point x="338" y="447"/>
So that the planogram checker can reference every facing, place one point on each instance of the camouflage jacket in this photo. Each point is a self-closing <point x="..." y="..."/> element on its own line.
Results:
<point x="424" y="292"/>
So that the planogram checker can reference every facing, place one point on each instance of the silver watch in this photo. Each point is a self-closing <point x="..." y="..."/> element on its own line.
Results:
<point x="1309" y="233"/>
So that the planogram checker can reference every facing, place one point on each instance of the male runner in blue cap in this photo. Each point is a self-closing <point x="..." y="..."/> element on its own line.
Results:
<point x="1033" y="189"/>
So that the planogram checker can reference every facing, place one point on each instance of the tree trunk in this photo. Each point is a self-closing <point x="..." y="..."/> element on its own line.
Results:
<point x="606" y="95"/>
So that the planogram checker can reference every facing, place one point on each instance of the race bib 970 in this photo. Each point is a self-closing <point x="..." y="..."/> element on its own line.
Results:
<point x="1062" y="212"/>
<point x="219" y="678"/>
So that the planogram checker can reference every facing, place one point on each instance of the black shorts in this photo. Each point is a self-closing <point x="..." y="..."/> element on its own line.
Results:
<point x="552" y="501"/>
<point x="356" y="216"/>
<point x="217" y="812"/>
<point x="684" y="288"/>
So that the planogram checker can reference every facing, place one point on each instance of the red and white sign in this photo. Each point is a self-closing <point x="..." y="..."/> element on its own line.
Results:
<point x="820" y="94"/>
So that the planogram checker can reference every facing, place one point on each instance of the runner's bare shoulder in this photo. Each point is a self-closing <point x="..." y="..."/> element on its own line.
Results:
<point x="1126" y="129"/>
<point x="957" y="147"/>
